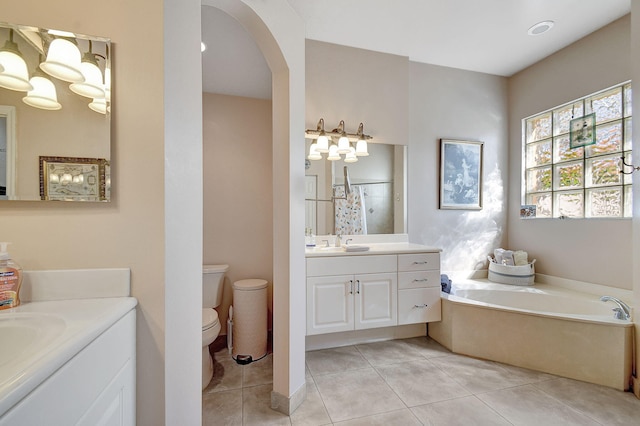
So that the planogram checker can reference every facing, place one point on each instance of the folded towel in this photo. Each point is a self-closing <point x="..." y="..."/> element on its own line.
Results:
<point x="520" y="257"/>
<point x="445" y="283"/>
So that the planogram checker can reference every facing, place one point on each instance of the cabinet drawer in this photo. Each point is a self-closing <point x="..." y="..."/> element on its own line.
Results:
<point x="340" y="265"/>
<point x="418" y="261"/>
<point x="419" y="279"/>
<point x="412" y="309"/>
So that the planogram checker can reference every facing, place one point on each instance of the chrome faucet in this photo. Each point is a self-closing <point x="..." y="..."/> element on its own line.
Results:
<point x="338" y="240"/>
<point x="622" y="312"/>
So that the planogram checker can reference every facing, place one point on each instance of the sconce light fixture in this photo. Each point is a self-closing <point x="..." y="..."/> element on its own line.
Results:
<point x="92" y="86"/>
<point x="99" y="105"/>
<point x="43" y="95"/>
<point x="351" y="145"/>
<point x="14" y="75"/>
<point x="63" y="61"/>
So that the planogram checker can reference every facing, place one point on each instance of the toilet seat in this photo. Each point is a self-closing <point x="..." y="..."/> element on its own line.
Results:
<point x="209" y="318"/>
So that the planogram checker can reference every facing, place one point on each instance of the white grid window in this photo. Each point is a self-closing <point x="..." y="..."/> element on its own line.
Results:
<point x="583" y="181"/>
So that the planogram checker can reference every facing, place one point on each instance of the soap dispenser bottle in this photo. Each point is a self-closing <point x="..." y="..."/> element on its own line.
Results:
<point x="10" y="279"/>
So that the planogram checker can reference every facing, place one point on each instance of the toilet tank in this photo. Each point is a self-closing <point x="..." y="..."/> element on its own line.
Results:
<point x="212" y="283"/>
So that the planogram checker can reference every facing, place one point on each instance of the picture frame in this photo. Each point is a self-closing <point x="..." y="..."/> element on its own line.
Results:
<point x="582" y="131"/>
<point x="461" y="174"/>
<point x="73" y="178"/>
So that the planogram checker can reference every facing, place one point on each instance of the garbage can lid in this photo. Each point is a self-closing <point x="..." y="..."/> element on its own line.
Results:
<point x="250" y="284"/>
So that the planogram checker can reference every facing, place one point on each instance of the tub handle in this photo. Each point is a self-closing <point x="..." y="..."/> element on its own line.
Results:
<point x="420" y="306"/>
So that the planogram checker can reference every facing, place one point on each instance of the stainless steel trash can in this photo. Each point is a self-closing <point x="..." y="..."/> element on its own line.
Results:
<point x="249" y="333"/>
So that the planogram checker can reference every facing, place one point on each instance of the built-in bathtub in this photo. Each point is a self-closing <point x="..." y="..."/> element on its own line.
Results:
<point x="543" y="327"/>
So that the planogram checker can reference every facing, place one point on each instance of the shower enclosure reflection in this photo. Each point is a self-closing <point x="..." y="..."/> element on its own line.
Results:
<point x="376" y="203"/>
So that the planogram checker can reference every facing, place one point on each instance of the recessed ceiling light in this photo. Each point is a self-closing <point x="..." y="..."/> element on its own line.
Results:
<point x="540" y="28"/>
<point x="203" y="46"/>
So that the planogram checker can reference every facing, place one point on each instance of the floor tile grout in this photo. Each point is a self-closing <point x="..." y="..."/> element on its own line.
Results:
<point x="381" y="356"/>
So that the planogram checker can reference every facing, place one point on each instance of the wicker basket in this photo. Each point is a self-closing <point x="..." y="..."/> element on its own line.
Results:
<point x="514" y="275"/>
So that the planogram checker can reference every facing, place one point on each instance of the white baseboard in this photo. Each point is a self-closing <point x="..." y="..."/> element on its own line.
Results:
<point x="346" y="338"/>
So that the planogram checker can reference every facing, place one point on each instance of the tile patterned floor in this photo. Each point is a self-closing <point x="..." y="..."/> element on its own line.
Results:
<point x="411" y="382"/>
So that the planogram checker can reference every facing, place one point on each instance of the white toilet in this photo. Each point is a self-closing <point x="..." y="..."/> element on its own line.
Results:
<point x="212" y="284"/>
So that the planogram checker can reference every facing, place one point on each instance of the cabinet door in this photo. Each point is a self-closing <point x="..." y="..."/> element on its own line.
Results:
<point x="375" y="300"/>
<point x="329" y="304"/>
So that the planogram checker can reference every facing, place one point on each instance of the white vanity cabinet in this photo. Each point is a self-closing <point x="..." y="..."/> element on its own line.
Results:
<point x="95" y="387"/>
<point x="418" y="288"/>
<point x="351" y="293"/>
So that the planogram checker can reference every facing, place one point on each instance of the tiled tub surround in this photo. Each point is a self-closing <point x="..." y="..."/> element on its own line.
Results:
<point x="550" y="327"/>
<point x="89" y="321"/>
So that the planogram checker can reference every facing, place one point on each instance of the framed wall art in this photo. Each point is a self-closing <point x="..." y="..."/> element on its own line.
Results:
<point x="582" y="131"/>
<point x="460" y="174"/>
<point x="73" y="178"/>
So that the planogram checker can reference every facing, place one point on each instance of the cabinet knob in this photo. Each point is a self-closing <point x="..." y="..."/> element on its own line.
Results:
<point x="420" y="263"/>
<point x="350" y="286"/>
<point x="420" y="306"/>
<point x="422" y="280"/>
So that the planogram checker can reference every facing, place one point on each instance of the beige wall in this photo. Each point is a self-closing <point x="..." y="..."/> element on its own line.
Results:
<point x="596" y="251"/>
<point x="357" y="86"/>
<point x="129" y="231"/>
<point x="238" y="195"/>
<point x="463" y="105"/>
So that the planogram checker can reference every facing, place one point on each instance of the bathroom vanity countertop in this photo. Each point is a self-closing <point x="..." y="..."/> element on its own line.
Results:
<point x="376" y="248"/>
<point x="40" y="337"/>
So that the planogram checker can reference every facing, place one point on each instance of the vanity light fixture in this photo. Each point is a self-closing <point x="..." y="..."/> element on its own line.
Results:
<point x="92" y="86"/>
<point x="14" y="75"/>
<point x="63" y="61"/>
<point x="43" y="95"/>
<point x="99" y="105"/>
<point x="322" y="143"/>
<point x="343" y="143"/>
<point x="362" y="149"/>
<point x="350" y="145"/>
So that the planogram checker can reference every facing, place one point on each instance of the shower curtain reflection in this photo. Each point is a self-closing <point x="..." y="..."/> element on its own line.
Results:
<point x="349" y="211"/>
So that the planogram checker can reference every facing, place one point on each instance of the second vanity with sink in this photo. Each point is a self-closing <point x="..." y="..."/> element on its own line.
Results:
<point x="68" y="351"/>
<point x="388" y="291"/>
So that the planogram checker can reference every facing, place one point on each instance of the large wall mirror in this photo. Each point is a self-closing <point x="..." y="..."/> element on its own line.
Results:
<point x="377" y="200"/>
<point x="55" y="108"/>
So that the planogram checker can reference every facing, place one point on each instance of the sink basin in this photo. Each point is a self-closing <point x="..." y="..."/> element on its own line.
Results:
<point x="329" y="249"/>
<point x="24" y="334"/>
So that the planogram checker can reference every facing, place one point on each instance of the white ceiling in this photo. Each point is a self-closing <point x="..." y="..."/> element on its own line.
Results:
<point x="488" y="36"/>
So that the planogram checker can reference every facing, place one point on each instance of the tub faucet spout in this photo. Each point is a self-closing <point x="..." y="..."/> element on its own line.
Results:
<point x="623" y="311"/>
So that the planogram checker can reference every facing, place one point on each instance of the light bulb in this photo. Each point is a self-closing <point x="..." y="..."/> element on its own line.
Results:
<point x="313" y="153"/>
<point x="63" y="61"/>
<point x="43" y="95"/>
<point x="14" y="75"/>
<point x="333" y="153"/>
<point x="351" y="156"/>
<point x="322" y="144"/>
<point x="343" y="145"/>
<point x="362" y="149"/>
<point x="92" y="86"/>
